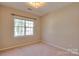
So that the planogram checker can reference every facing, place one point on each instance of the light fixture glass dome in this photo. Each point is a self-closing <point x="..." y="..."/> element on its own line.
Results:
<point x="37" y="4"/>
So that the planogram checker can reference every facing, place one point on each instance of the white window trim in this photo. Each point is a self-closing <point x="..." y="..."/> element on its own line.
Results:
<point x="23" y="18"/>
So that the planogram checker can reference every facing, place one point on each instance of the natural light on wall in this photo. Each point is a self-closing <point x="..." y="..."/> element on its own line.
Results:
<point x="37" y="4"/>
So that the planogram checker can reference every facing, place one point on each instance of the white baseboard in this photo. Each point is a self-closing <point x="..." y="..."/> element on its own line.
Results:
<point x="57" y="46"/>
<point x="29" y="43"/>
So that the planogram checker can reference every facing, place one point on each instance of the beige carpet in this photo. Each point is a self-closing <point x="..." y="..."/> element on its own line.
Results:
<point x="39" y="49"/>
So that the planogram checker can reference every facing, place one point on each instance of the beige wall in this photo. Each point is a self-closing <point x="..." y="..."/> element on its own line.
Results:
<point x="0" y="28"/>
<point x="62" y="27"/>
<point x="8" y="40"/>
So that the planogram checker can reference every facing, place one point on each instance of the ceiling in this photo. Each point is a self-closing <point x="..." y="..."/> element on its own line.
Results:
<point x="24" y="6"/>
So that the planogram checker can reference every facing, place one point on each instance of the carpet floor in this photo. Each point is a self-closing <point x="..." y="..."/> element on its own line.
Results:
<point x="40" y="49"/>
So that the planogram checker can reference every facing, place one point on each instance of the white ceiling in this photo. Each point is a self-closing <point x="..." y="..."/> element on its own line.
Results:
<point x="50" y="6"/>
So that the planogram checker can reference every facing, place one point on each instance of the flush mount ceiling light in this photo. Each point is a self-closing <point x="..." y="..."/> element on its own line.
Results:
<point x="37" y="4"/>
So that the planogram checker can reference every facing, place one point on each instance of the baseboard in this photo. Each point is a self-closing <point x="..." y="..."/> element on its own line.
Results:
<point x="57" y="46"/>
<point x="24" y="44"/>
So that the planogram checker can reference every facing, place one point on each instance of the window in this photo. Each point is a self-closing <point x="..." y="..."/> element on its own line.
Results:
<point x="23" y="27"/>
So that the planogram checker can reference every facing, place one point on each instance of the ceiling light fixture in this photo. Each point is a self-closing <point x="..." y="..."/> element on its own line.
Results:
<point x="37" y="4"/>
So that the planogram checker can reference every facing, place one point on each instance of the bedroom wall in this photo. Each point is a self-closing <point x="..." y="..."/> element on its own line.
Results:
<point x="61" y="28"/>
<point x="0" y="28"/>
<point x="8" y="40"/>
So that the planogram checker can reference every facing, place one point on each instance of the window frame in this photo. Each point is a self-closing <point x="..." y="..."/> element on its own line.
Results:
<point x="25" y="19"/>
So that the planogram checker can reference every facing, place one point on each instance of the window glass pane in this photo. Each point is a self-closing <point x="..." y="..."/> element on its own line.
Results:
<point x="29" y="31"/>
<point x="29" y="24"/>
<point x="19" y="31"/>
<point x="19" y="22"/>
